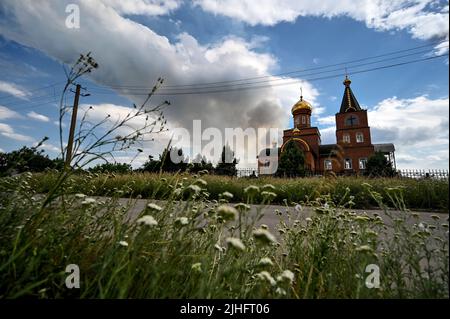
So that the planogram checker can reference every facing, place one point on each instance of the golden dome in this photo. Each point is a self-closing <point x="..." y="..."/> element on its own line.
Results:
<point x="301" y="105"/>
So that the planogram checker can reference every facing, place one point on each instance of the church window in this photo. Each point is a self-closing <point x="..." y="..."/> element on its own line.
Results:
<point x="328" y="164"/>
<point x="297" y="120"/>
<point x="359" y="137"/>
<point x="348" y="163"/>
<point x="351" y="120"/>
<point x="346" y="138"/>
<point x="303" y="119"/>
<point x="362" y="163"/>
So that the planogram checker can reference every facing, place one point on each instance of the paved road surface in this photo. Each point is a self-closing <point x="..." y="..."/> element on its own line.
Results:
<point x="271" y="219"/>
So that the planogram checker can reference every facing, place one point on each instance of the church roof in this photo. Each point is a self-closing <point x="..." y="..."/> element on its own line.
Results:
<point x="349" y="102"/>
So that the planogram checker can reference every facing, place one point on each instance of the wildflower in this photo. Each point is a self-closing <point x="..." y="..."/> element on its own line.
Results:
<point x="201" y="182"/>
<point x="286" y="276"/>
<point x="252" y="189"/>
<point x="147" y="220"/>
<point x="435" y="217"/>
<point x="227" y="195"/>
<point x="80" y="196"/>
<point x="308" y="219"/>
<point x="264" y="236"/>
<point x="218" y="247"/>
<point x="182" y="221"/>
<point x="422" y="226"/>
<point x="361" y="218"/>
<point x="264" y="226"/>
<point x="194" y="188"/>
<point x="372" y="233"/>
<point x="298" y="208"/>
<point x="364" y="249"/>
<point x="266" y="261"/>
<point x="235" y="243"/>
<point x="154" y="207"/>
<point x="280" y="291"/>
<point x="123" y="243"/>
<point x="269" y="187"/>
<point x="268" y="195"/>
<point x="197" y="267"/>
<point x="242" y="206"/>
<point x="227" y="212"/>
<point x="88" y="201"/>
<point x="264" y="275"/>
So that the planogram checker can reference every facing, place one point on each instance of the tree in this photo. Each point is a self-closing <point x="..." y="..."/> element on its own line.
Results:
<point x="27" y="160"/>
<point x="227" y="164"/>
<point x="379" y="166"/>
<point x="171" y="159"/>
<point x="121" y="168"/>
<point x="292" y="161"/>
<point x="200" y="163"/>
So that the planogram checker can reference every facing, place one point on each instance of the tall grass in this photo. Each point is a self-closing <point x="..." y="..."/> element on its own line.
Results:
<point x="418" y="194"/>
<point x="207" y="248"/>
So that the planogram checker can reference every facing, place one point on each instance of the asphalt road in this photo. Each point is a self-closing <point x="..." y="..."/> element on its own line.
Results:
<point x="271" y="218"/>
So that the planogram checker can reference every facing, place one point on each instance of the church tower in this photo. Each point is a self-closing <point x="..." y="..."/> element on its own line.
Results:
<point x="353" y="132"/>
<point x="306" y="137"/>
<point x="302" y="114"/>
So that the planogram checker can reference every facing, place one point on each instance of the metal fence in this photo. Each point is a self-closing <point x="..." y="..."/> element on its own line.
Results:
<point x="402" y="173"/>
<point x="246" y="172"/>
<point x="422" y="173"/>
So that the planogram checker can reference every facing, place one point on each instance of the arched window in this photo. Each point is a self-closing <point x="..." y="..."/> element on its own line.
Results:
<point x="348" y="163"/>
<point x="351" y="120"/>
<point x="359" y="137"/>
<point x="346" y="138"/>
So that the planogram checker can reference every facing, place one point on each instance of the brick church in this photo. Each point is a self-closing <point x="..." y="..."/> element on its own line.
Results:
<point x="353" y="140"/>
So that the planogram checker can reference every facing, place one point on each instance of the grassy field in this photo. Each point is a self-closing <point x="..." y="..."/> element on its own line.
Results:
<point x="209" y="248"/>
<point x="417" y="194"/>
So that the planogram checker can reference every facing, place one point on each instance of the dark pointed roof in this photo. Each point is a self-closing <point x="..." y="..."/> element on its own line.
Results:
<point x="349" y="101"/>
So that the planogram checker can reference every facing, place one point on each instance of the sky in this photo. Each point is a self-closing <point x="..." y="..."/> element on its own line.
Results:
<point x="208" y="41"/>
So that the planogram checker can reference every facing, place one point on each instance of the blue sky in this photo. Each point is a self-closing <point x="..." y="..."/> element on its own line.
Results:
<point x="204" y="41"/>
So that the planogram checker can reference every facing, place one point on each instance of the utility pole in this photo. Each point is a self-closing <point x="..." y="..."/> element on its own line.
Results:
<point x="73" y="123"/>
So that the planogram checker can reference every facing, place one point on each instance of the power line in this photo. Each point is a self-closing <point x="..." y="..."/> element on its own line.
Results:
<point x="9" y="96"/>
<point x="277" y="79"/>
<point x="288" y="82"/>
<point x="285" y="73"/>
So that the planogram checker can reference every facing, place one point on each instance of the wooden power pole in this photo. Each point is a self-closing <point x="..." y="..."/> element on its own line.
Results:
<point x="73" y="123"/>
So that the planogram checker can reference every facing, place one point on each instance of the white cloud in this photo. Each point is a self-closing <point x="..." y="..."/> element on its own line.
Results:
<point x="38" y="117"/>
<point x="414" y="16"/>
<point x="6" y="113"/>
<point x="5" y="128"/>
<point x="131" y="54"/>
<point x="7" y="131"/>
<point x="143" y="7"/>
<point x="15" y="90"/>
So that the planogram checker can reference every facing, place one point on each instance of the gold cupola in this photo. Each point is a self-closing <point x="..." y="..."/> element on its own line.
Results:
<point x="301" y="112"/>
<point x="301" y="105"/>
